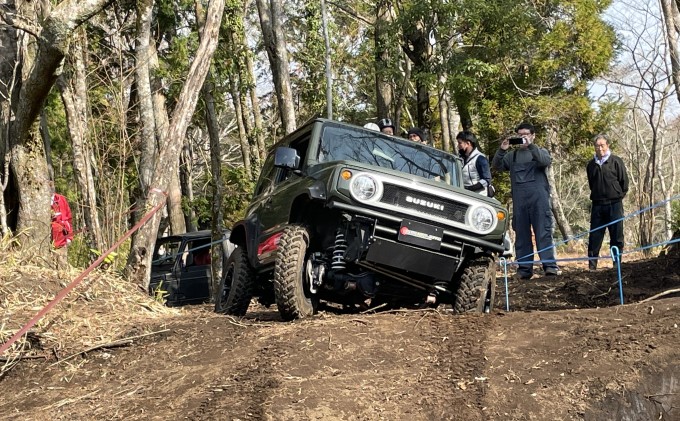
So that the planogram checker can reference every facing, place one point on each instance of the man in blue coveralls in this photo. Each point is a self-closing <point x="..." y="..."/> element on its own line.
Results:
<point x="527" y="164"/>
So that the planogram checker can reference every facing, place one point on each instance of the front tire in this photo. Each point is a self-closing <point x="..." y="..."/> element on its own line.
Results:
<point x="291" y="286"/>
<point x="476" y="290"/>
<point x="236" y="286"/>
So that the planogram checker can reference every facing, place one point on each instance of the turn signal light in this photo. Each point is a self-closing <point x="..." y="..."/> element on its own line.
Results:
<point x="346" y="174"/>
<point x="500" y="215"/>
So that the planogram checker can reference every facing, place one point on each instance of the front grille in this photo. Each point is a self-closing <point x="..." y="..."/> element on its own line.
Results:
<point x="429" y="204"/>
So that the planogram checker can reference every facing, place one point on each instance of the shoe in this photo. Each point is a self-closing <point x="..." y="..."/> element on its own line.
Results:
<point x="553" y="272"/>
<point x="523" y="276"/>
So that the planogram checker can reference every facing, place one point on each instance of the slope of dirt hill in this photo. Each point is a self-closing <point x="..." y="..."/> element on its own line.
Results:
<point x="565" y="351"/>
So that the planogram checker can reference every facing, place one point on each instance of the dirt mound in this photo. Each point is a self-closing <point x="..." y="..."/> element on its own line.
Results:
<point x="100" y="310"/>
<point x="566" y="351"/>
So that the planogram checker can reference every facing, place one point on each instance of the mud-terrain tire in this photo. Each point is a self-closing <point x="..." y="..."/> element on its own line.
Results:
<point x="476" y="290"/>
<point x="293" y="298"/>
<point x="236" y="286"/>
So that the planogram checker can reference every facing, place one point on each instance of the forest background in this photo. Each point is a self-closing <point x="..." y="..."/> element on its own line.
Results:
<point x="126" y="103"/>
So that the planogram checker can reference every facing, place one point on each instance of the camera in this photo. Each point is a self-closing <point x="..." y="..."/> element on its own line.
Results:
<point x="517" y="141"/>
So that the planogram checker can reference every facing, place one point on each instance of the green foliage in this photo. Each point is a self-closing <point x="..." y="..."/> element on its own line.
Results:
<point x="238" y="190"/>
<point x="675" y="218"/>
<point x="159" y="294"/>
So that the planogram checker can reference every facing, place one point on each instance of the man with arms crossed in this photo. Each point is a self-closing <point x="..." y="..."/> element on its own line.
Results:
<point x="608" y="182"/>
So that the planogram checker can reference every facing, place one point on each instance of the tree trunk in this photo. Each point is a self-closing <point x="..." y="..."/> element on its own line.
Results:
<point x="255" y="108"/>
<point x="73" y="88"/>
<point x="671" y="18"/>
<point x="402" y="95"/>
<point x="147" y="122"/>
<point x="139" y="262"/>
<point x="186" y="185"/>
<point x="557" y="208"/>
<point x="243" y="139"/>
<point x="271" y="16"/>
<point x="383" y="83"/>
<point x="179" y="223"/>
<point x="417" y="47"/>
<point x="444" y="115"/>
<point x="47" y="142"/>
<point x="40" y="64"/>
<point x="327" y="61"/>
<point x="216" y="212"/>
<point x="454" y="121"/>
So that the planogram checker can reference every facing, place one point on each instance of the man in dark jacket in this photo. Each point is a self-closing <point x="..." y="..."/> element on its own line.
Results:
<point x="527" y="164"/>
<point x="608" y="182"/>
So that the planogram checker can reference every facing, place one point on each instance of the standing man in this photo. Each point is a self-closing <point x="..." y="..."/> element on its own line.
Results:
<point x="527" y="164"/>
<point x="476" y="170"/>
<point x="608" y="182"/>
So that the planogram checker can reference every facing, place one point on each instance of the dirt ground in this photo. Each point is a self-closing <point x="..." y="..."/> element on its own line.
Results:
<point x="566" y="350"/>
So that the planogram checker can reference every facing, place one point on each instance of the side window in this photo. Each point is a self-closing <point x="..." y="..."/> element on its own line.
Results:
<point x="266" y="176"/>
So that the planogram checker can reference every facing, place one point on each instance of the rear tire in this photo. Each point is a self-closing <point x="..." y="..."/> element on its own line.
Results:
<point x="236" y="286"/>
<point x="291" y="286"/>
<point x="476" y="290"/>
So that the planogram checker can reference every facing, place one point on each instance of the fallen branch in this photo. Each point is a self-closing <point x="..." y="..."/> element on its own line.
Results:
<point x="114" y="344"/>
<point x="373" y="309"/>
<point x="661" y="294"/>
<point x="21" y="357"/>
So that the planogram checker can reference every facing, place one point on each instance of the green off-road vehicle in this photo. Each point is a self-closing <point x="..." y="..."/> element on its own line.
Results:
<point x="346" y="215"/>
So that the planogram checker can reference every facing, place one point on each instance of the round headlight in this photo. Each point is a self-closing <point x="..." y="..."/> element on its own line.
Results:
<point x="482" y="219"/>
<point x="363" y="187"/>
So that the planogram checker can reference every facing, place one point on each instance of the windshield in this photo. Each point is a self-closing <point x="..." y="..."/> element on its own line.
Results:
<point x="342" y="143"/>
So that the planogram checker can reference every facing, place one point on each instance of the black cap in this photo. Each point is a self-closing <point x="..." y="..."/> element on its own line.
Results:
<point x="417" y="131"/>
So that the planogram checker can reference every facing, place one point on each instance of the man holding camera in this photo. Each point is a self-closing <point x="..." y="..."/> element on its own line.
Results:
<point x="528" y="164"/>
<point x="608" y="182"/>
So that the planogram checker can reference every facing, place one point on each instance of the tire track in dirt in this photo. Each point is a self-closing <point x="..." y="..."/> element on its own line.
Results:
<point x="389" y="366"/>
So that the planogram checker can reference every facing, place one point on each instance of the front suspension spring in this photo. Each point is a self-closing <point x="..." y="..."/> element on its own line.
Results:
<point x="338" y="261"/>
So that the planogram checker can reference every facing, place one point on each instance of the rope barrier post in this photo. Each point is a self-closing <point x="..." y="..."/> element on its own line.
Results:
<point x="504" y="265"/>
<point x="616" y="258"/>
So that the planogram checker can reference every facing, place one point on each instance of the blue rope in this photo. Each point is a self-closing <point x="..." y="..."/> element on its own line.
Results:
<point x="574" y="237"/>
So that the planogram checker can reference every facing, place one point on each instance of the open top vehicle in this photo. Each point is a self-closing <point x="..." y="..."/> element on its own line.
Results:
<point x="351" y="216"/>
<point x="180" y="267"/>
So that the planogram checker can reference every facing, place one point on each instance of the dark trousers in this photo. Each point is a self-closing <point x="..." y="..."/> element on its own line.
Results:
<point x="601" y="215"/>
<point x="531" y="211"/>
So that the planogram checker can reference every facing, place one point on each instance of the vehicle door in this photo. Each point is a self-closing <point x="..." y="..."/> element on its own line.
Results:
<point x="165" y="269"/>
<point x="194" y="285"/>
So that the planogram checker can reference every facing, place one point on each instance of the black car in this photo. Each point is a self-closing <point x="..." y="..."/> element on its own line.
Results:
<point x="180" y="269"/>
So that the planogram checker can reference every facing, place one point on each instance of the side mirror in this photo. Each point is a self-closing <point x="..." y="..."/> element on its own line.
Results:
<point x="286" y="158"/>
